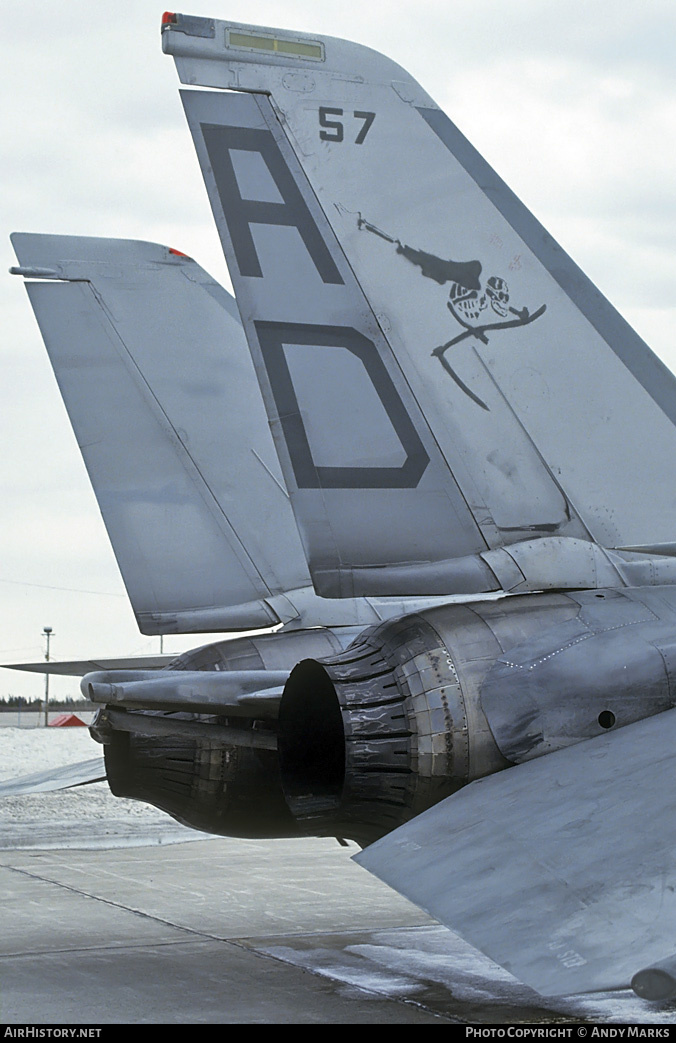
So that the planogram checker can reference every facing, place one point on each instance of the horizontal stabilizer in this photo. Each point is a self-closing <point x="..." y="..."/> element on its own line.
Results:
<point x="80" y="774"/>
<point x="80" y="667"/>
<point x="560" y="869"/>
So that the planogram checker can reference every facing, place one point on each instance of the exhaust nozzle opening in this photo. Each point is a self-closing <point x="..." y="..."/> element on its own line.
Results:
<point x="311" y="742"/>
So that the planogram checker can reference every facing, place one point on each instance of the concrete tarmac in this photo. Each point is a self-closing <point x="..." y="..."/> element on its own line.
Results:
<point x="221" y="931"/>
<point x="181" y="933"/>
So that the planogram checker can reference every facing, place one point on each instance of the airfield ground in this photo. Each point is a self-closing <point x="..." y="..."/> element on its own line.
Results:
<point x="113" y="913"/>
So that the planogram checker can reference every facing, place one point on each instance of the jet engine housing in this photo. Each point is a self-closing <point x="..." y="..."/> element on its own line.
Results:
<point x="418" y="707"/>
<point x="368" y="734"/>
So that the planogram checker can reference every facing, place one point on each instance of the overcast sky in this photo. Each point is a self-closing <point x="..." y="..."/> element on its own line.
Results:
<point x="574" y="104"/>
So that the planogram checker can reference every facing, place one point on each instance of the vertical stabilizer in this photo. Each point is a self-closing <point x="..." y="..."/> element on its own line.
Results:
<point x="442" y="380"/>
<point x="152" y="363"/>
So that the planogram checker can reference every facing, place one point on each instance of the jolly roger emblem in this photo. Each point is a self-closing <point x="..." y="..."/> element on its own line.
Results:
<point x="478" y="308"/>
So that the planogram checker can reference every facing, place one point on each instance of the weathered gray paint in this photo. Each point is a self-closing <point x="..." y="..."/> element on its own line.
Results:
<point x="515" y="408"/>
<point x="220" y="692"/>
<point x="80" y="774"/>
<point x="424" y="509"/>
<point x="641" y="362"/>
<point x="254" y="207"/>
<point x="551" y="689"/>
<point x="557" y="869"/>
<point x="152" y="363"/>
<point x="80" y="667"/>
<point x="572" y="843"/>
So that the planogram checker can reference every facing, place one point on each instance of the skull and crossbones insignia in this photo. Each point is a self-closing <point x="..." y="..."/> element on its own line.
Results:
<point x="471" y="303"/>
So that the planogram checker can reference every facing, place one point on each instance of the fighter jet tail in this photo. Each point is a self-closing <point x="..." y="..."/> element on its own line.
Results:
<point x="455" y="406"/>
<point x="151" y="360"/>
<point x="152" y="365"/>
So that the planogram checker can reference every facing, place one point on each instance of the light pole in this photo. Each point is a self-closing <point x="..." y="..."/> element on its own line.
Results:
<point x="47" y="631"/>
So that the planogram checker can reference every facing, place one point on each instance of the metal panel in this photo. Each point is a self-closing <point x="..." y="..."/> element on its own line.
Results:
<point x="80" y="774"/>
<point x="526" y="380"/>
<point x="649" y="370"/>
<point x="388" y="497"/>
<point x="154" y="370"/>
<point x="580" y="676"/>
<point x="156" y="376"/>
<point x="80" y="667"/>
<point x="561" y="869"/>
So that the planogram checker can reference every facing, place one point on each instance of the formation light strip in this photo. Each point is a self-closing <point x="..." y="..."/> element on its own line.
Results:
<point x="276" y="45"/>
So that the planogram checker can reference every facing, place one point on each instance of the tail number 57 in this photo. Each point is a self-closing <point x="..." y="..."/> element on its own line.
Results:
<point x="334" y="130"/>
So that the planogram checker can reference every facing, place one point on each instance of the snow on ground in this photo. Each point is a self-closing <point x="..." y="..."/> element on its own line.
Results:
<point x="25" y="750"/>
<point x="84" y="816"/>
